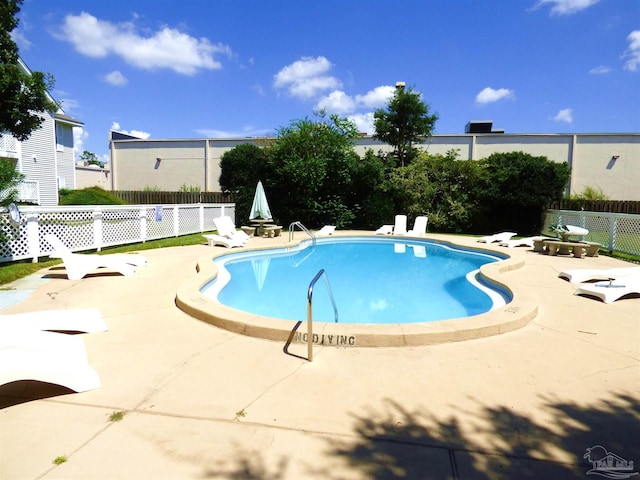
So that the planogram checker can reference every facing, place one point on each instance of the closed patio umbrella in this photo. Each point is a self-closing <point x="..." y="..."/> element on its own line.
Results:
<point x="260" y="207"/>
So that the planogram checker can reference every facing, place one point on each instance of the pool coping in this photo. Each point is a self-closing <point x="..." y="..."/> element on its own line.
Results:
<point x="516" y="314"/>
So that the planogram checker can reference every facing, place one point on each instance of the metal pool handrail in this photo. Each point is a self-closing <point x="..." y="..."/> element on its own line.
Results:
<point x="321" y="273"/>
<point x="293" y="226"/>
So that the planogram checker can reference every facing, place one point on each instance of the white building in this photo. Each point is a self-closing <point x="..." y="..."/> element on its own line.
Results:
<point x="46" y="158"/>
<point x="609" y="161"/>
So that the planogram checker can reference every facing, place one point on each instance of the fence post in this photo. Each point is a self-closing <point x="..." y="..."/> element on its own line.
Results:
<point x="176" y="220"/>
<point x="201" y="217"/>
<point x="33" y="239"/>
<point x="97" y="228"/>
<point x="143" y="224"/>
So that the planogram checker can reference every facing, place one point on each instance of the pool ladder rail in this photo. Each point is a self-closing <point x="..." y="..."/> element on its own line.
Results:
<point x="321" y="273"/>
<point x="293" y="226"/>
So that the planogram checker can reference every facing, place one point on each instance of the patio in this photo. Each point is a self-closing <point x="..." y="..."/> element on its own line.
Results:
<point x="202" y="402"/>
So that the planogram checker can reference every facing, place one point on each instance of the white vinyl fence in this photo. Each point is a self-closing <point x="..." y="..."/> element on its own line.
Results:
<point x="95" y="227"/>
<point x="618" y="232"/>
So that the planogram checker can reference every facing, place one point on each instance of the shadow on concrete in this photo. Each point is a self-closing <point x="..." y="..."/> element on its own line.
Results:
<point x="392" y="442"/>
<point x="23" y="391"/>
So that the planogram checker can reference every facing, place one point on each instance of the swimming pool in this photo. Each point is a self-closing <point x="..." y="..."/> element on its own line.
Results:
<point x="205" y="307"/>
<point x="373" y="280"/>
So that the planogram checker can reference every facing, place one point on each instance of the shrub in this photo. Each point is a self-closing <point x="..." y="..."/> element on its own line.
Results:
<point x="89" y="196"/>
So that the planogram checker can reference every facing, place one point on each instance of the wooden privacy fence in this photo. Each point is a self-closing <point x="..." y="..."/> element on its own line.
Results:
<point x="610" y="206"/>
<point x="134" y="197"/>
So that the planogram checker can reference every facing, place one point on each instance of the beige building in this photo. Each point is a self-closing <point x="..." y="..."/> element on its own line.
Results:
<point x="609" y="161"/>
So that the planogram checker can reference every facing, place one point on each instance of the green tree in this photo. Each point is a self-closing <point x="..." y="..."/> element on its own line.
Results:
<point x="9" y="181"/>
<point x="313" y="163"/>
<point x="439" y="186"/>
<point x="516" y="188"/>
<point x="241" y="168"/>
<point x="91" y="158"/>
<point x="405" y="122"/>
<point x="23" y="96"/>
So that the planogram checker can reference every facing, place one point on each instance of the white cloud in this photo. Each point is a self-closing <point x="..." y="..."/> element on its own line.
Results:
<point x="363" y="122"/>
<point x="21" y="39"/>
<point x="115" y="126"/>
<point x="490" y="95"/>
<point x="115" y="78"/>
<point x="376" y="98"/>
<point x="79" y="136"/>
<point x="632" y="54"/>
<point x="336" y="102"/>
<point x="565" y="115"/>
<point x="306" y="78"/>
<point x="565" y="7"/>
<point x="600" y="70"/>
<point x="167" y="48"/>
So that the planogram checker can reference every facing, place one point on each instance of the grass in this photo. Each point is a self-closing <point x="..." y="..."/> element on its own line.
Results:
<point x="22" y="268"/>
<point x="116" y="416"/>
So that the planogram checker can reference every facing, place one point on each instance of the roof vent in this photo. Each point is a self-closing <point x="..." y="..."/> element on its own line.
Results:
<point x="481" y="126"/>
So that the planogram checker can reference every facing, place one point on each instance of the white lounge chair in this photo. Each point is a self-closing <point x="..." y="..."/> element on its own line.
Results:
<point x="213" y="240"/>
<point x="400" y="225"/>
<point x="59" y="248"/>
<point x="86" y="320"/>
<point x="612" y="290"/>
<point x="385" y="230"/>
<point x="46" y="357"/>
<point x="498" y="237"/>
<point x="419" y="227"/>
<point x="78" y="265"/>
<point x="226" y="228"/>
<point x="581" y="275"/>
<point x="326" y="230"/>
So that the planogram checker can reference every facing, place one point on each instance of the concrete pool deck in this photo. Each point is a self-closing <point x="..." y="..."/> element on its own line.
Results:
<point x="202" y="402"/>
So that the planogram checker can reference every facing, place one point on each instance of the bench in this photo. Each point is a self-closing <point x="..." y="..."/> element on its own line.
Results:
<point x="539" y="244"/>
<point x="555" y="247"/>
<point x="273" y="231"/>
<point x="251" y="231"/>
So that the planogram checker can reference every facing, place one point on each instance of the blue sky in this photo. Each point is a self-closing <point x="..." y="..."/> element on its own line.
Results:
<point x="230" y="68"/>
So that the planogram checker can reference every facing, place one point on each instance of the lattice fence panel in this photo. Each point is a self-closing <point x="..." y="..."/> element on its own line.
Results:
<point x="189" y="220"/>
<point x="120" y="226"/>
<point x="160" y="223"/>
<point x="73" y="228"/>
<point x="615" y="232"/>
<point x="627" y="235"/>
<point x="15" y="238"/>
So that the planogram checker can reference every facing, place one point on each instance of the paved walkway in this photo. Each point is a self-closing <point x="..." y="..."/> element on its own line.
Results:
<point x="204" y="403"/>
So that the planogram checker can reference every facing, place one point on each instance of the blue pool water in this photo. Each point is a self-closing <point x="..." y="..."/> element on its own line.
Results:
<point x="373" y="280"/>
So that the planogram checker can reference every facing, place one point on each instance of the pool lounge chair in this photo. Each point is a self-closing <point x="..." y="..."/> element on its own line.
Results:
<point x="46" y="357"/>
<point x="400" y="225"/>
<point x="87" y="320"/>
<point x="582" y="275"/>
<point x="78" y="265"/>
<point x="326" y="230"/>
<point x="59" y="248"/>
<point x="226" y="228"/>
<point x="419" y="227"/>
<point x="384" y="230"/>
<point x="498" y="237"/>
<point x="213" y="240"/>
<point x="612" y="290"/>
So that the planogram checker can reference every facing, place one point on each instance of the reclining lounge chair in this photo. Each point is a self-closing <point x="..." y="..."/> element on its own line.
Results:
<point x="497" y="237"/>
<point x="612" y="290"/>
<point x="78" y="265"/>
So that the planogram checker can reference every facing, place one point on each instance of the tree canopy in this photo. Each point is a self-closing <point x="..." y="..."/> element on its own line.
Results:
<point x="405" y="122"/>
<point x="23" y="96"/>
